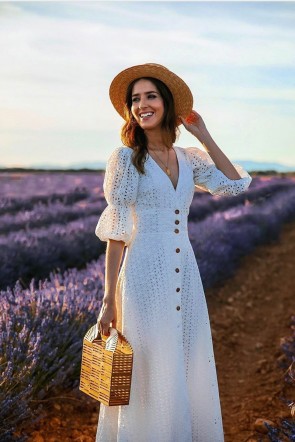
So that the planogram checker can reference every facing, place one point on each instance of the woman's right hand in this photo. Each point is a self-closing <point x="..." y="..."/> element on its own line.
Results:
<point x="107" y="315"/>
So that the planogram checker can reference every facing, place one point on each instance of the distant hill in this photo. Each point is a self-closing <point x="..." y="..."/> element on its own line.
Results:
<point x="100" y="165"/>
<point x="262" y="166"/>
<point x="87" y="165"/>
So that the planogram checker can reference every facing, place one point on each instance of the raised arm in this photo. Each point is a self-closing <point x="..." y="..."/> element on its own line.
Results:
<point x="212" y="170"/>
<point x="196" y="126"/>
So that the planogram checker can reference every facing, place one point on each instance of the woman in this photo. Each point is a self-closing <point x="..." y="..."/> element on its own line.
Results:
<point x="156" y="298"/>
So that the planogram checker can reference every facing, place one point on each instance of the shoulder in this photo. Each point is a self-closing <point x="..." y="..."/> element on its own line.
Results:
<point x="189" y="150"/>
<point x="120" y="154"/>
<point x="193" y="153"/>
<point x="120" y="161"/>
<point x="121" y="151"/>
<point x="192" y="150"/>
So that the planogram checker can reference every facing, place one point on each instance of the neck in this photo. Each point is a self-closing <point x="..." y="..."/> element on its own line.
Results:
<point x="155" y="141"/>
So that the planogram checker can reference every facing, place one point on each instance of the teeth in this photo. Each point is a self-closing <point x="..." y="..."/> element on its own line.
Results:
<point x="147" y="114"/>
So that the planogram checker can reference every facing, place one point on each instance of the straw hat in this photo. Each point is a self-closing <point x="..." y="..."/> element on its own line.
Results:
<point x="182" y="95"/>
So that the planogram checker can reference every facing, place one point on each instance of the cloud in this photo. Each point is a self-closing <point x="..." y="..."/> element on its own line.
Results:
<point x="59" y="59"/>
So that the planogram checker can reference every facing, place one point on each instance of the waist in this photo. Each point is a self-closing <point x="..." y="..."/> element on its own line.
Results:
<point x="161" y="221"/>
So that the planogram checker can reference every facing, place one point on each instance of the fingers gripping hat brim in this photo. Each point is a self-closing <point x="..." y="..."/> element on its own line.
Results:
<point x="182" y="95"/>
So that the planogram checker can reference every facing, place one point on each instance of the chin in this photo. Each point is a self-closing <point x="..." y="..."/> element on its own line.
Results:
<point x="150" y="126"/>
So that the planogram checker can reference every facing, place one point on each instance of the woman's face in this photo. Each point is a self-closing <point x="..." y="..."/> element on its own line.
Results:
<point x="147" y="104"/>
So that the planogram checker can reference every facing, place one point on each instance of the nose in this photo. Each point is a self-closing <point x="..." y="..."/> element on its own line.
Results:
<point x="142" y="103"/>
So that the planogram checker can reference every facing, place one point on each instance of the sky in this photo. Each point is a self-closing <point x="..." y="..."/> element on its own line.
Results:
<point x="59" y="58"/>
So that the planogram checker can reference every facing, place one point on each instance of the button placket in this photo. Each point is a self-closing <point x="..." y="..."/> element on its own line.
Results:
<point x="177" y="268"/>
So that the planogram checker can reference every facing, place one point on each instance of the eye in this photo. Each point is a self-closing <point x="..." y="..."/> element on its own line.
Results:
<point x="152" y="96"/>
<point x="134" y="99"/>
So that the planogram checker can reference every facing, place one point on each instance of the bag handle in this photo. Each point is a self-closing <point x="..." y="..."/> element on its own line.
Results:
<point x="111" y="340"/>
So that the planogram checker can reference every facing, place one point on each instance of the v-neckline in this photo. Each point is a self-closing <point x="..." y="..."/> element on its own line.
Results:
<point x="179" y="169"/>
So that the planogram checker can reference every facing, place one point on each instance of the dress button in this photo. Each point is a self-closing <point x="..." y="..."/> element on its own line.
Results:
<point x="178" y="307"/>
<point x="176" y="221"/>
<point x="177" y="270"/>
<point x="176" y="230"/>
<point x="176" y="211"/>
<point x="178" y="289"/>
<point x="177" y="250"/>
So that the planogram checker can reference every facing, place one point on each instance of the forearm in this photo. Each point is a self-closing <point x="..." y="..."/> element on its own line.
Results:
<point x="220" y="159"/>
<point x="194" y="123"/>
<point x="114" y="252"/>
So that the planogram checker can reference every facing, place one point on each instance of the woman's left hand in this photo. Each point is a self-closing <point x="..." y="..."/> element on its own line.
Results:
<point x="194" y="123"/>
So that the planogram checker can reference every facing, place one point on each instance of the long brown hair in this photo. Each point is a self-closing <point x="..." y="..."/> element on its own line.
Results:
<point x="133" y="135"/>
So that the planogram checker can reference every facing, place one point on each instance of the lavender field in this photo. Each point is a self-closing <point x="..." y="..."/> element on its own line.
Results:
<point x="52" y="270"/>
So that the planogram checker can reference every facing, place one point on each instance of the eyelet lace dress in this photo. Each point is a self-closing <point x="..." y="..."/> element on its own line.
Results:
<point x="160" y="300"/>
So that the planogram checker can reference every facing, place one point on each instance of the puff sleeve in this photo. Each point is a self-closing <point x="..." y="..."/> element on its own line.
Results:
<point x="208" y="177"/>
<point x="120" y="189"/>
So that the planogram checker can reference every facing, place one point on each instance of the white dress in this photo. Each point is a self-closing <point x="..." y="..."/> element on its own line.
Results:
<point x="161" y="305"/>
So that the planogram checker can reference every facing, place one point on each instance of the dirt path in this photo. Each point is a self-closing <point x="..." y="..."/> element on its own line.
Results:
<point x="249" y="314"/>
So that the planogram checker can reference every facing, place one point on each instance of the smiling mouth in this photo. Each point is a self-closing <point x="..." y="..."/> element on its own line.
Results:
<point x="146" y="115"/>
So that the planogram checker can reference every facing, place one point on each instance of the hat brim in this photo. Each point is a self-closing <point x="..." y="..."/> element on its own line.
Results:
<point x="183" y="98"/>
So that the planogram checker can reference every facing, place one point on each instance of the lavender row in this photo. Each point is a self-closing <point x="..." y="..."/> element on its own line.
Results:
<point x="14" y="205"/>
<point x="203" y="205"/>
<point x="206" y="206"/>
<point x="43" y="215"/>
<point x="286" y="427"/>
<point x="265" y="181"/>
<point x="23" y="192"/>
<point x="41" y="332"/>
<point x="28" y="184"/>
<point x="226" y="236"/>
<point x="53" y="210"/>
<point x="24" y="255"/>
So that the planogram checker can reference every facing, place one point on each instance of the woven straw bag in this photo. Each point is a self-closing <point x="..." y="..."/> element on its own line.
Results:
<point x="106" y="368"/>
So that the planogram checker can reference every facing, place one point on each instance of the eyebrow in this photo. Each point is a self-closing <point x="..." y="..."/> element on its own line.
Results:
<point x="134" y="95"/>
